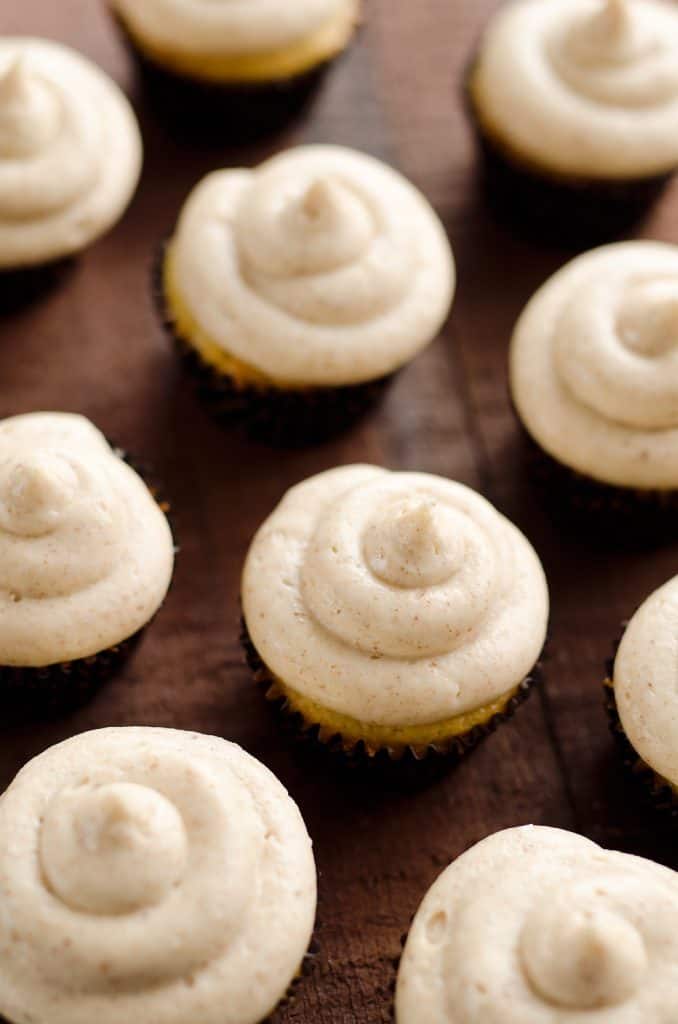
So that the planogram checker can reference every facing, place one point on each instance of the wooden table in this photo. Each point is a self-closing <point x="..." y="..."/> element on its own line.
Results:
<point x="94" y="346"/>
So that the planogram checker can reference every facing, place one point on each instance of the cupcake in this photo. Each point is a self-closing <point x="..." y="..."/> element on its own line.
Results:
<point x="154" y="876"/>
<point x="393" y="613"/>
<point x="536" y="925"/>
<point x="235" y="69"/>
<point x="86" y="558"/>
<point x="642" y="698"/>
<point x="70" y="158"/>
<point x="594" y="380"/>
<point x="298" y="289"/>
<point x="576" y="107"/>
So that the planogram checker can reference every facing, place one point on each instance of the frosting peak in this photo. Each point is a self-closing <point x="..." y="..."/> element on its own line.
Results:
<point x="29" y="111"/>
<point x="648" y="318"/>
<point x="609" y="35"/>
<point x="35" y="489"/>
<point x="413" y="543"/>
<point x="580" y="954"/>
<point x="112" y="849"/>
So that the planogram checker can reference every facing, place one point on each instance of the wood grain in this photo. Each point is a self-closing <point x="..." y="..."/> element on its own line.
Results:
<point x="93" y="346"/>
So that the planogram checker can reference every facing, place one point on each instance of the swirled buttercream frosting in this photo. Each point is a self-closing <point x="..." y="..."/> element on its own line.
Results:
<point x="536" y="925"/>
<point x="645" y="681"/>
<point x="398" y="599"/>
<point x="150" y="875"/>
<point x="583" y="87"/>
<point x="240" y="38"/>
<point x="594" y="365"/>
<point x="86" y="554"/>
<point x="70" y="152"/>
<point x="321" y="267"/>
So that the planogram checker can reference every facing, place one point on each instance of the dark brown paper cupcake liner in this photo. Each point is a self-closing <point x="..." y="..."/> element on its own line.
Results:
<point x="229" y="112"/>
<point x="273" y="416"/>
<point x="618" y="516"/>
<point x="656" y="790"/>
<point x="52" y="690"/>
<point x="44" y="693"/>
<point x="417" y="764"/>
<point x="571" y="211"/>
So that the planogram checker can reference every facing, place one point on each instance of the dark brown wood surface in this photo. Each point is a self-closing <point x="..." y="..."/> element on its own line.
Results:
<point x="93" y="346"/>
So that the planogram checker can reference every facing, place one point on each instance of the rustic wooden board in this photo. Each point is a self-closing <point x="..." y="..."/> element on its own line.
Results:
<point x="93" y="346"/>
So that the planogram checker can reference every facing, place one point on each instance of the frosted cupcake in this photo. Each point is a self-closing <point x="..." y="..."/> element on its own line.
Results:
<point x="594" y="379"/>
<point x="298" y="289"/>
<point x="641" y="695"/>
<point x="394" y="613"/>
<point x="576" y="105"/>
<point x="538" y="925"/>
<point x="70" y="156"/>
<point x="235" y="69"/>
<point x="150" y="875"/>
<point x="86" y="558"/>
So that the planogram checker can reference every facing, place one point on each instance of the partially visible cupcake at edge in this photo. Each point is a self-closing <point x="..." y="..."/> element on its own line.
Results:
<point x="70" y="158"/>
<point x="576" y="107"/>
<point x="298" y="289"/>
<point x="541" y="925"/>
<point x="151" y="876"/>
<point x="235" y="70"/>
<point x="86" y="558"/>
<point x="642" y="695"/>
<point x="394" y="614"/>
<point x="594" y="380"/>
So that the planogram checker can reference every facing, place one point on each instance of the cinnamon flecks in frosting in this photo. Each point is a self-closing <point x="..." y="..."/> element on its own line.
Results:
<point x="229" y="40"/>
<point x="537" y="924"/>
<point x="594" y="365"/>
<point x="583" y="87"/>
<point x="70" y="152"/>
<point x="321" y="267"/>
<point x="397" y="599"/>
<point x="645" y="681"/>
<point x="86" y="554"/>
<point x="154" y="876"/>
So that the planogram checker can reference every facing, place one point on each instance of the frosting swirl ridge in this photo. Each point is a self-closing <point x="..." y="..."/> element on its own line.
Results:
<point x="160" y="856"/>
<point x="410" y="597"/>
<point x="323" y="266"/>
<point x="70" y="152"/>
